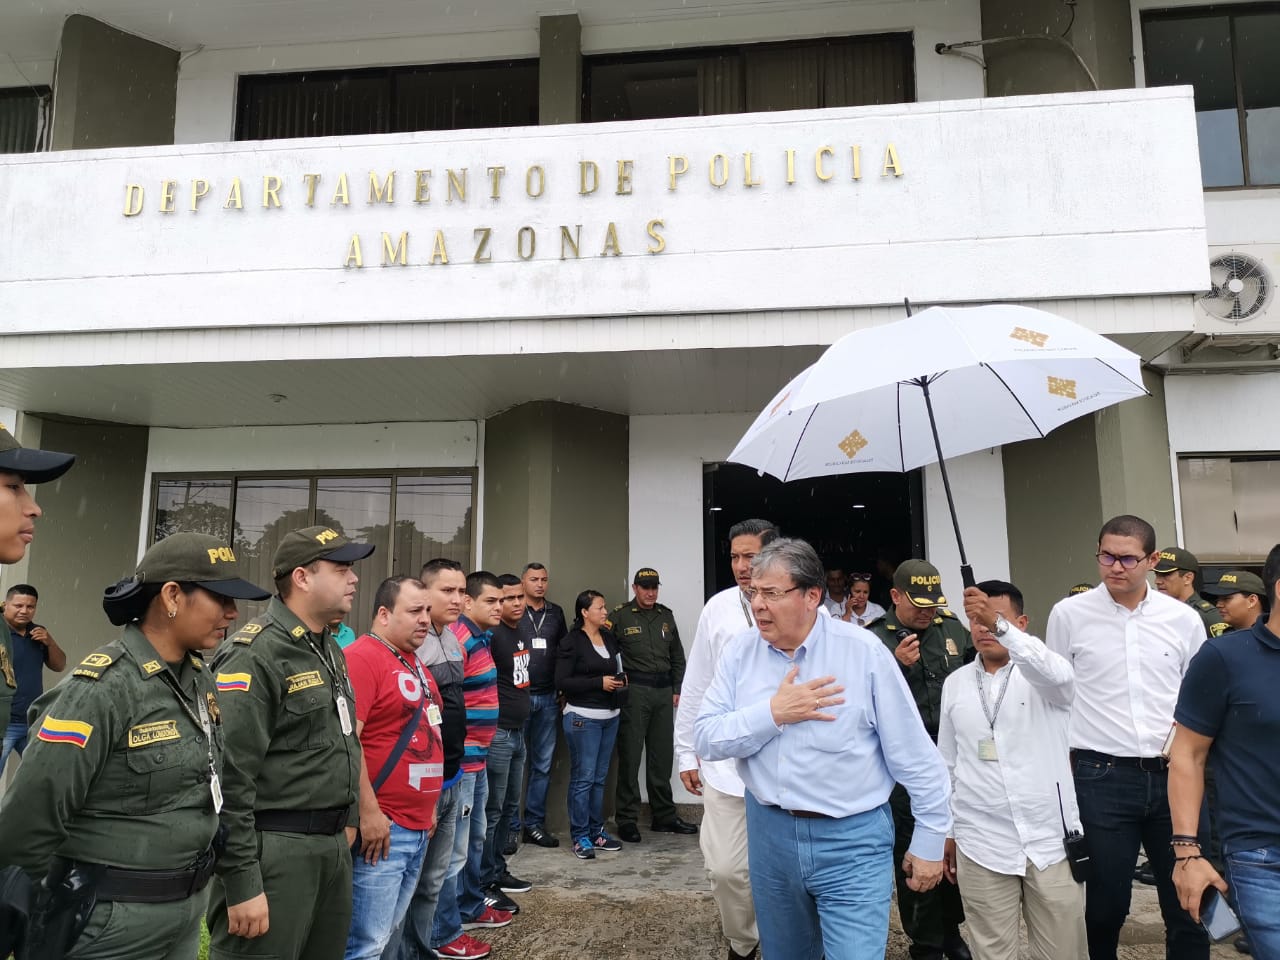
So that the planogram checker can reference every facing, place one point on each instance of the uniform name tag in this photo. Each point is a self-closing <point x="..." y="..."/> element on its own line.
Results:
<point x="539" y="643"/>
<point x="433" y="715"/>
<point x="304" y="681"/>
<point x="148" y="733"/>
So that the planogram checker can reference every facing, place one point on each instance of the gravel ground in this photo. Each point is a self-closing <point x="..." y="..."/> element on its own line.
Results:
<point x="651" y="901"/>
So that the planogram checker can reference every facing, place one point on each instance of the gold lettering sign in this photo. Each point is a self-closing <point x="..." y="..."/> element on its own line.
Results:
<point x="324" y="536"/>
<point x="304" y="681"/>
<point x="221" y="555"/>
<point x="1062" y="387"/>
<point x="852" y="444"/>
<point x="1032" y="337"/>
<point x="146" y="734"/>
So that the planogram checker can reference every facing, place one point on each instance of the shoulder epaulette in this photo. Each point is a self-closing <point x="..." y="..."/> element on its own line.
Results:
<point x="249" y="632"/>
<point x="97" y="663"/>
<point x="944" y="612"/>
<point x="618" y="607"/>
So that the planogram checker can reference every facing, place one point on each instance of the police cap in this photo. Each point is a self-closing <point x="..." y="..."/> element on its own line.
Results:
<point x="1236" y="581"/>
<point x="921" y="582"/>
<point x="645" y="577"/>
<point x="33" y="466"/>
<point x="1171" y="559"/>
<point x="301" y="547"/>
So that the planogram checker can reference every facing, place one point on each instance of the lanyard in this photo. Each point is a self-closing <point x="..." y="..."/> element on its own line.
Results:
<point x="426" y="690"/>
<point x="987" y="710"/>
<point x="201" y="721"/>
<point x="746" y="608"/>
<point x="329" y="665"/>
<point x="537" y="624"/>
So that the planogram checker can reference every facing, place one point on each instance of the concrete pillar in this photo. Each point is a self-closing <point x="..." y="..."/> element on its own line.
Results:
<point x="1101" y="34"/>
<point x="560" y="69"/>
<point x="555" y="491"/>
<point x="112" y="89"/>
<point x="1060" y="490"/>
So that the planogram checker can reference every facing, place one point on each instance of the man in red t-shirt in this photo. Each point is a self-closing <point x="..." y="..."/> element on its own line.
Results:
<point x="402" y="764"/>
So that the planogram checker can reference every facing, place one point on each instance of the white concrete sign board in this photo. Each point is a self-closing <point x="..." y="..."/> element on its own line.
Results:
<point x="1074" y="195"/>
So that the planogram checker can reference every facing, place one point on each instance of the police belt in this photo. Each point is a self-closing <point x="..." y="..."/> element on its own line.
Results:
<point x="301" y="821"/>
<point x="154" y="886"/>
<point x="649" y="679"/>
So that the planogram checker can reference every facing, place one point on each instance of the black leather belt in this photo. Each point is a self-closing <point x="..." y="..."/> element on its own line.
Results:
<point x="301" y="821"/>
<point x="649" y="679"/>
<point x="805" y="814"/>
<point x="1147" y="764"/>
<point x="155" y="886"/>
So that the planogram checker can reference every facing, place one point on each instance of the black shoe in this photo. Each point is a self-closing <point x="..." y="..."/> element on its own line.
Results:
<point x="675" y="825"/>
<point x="539" y="836"/>
<point x="1145" y="874"/>
<point x="509" y="884"/>
<point x="744" y="956"/>
<point x="512" y="845"/>
<point x="628" y="833"/>
<point x="494" y="897"/>
<point x="1241" y="943"/>
<point x="954" y="948"/>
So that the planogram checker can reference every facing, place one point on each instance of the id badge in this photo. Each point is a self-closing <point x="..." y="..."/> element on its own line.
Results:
<point x="344" y="715"/>
<point x="539" y="643"/>
<point x="433" y="715"/>
<point x="215" y="791"/>
<point x="987" y="749"/>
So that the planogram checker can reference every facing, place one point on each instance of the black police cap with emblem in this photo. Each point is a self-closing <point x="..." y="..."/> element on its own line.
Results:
<point x="1236" y="581"/>
<point x="1172" y="559"/>
<point x="646" y="577"/>
<point x="33" y="466"/>
<point x="305" y="546"/>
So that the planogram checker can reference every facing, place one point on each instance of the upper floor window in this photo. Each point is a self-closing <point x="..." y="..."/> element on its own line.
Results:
<point x="838" y="72"/>
<point x="1228" y="55"/>
<point x="387" y="100"/>
<point x="23" y="119"/>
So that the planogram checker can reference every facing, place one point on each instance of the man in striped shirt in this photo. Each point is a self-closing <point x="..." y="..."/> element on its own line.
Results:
<point x="462" y="899"/>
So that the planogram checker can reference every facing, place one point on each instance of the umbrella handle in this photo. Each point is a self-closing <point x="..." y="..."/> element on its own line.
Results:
<point x="966" y="574"/>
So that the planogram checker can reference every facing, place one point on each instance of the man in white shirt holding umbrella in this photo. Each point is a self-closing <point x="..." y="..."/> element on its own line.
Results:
<point x="1003" y="733"/>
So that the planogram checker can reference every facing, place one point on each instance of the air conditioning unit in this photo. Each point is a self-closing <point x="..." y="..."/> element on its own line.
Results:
<point x="1242" y="299"/>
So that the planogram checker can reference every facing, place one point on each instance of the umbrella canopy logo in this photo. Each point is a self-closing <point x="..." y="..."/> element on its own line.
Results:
<point x="1033" y="337"/>
<point x="852" y="444"/>
<point x="1062" y="387"/>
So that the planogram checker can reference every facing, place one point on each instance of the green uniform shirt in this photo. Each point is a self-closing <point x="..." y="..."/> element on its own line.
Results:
<point x="650" y="641"/>
<point x="285" y="745"/>
<point x="115" y="770"/>
<point x="944" y="646"/>
<point x="1214" y="625"/>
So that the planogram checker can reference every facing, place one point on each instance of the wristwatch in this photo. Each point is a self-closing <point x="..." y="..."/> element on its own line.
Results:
<point x="1001" y="627"/>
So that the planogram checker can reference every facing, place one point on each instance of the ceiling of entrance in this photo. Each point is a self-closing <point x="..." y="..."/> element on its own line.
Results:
<point x="406" y="389"/>
<point x="29" y="29"/>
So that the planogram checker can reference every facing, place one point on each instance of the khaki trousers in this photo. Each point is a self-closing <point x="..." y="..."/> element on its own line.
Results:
<point x="723" y="837"/>
<point x="1049" y="900"/>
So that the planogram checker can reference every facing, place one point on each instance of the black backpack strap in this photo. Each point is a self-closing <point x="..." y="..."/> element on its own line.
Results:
<point x="402" y="744"/>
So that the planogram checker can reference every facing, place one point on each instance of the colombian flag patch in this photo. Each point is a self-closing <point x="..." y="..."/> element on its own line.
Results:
<point x="233" y="681"/>
<point x="54" y="730"/>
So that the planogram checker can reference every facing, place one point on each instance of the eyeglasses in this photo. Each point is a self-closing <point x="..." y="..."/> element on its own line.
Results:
<point x="769" y="596"/>
<point x="1110" y="560"/>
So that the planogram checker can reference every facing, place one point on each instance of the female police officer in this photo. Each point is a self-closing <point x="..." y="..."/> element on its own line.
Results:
<point x="118" y="793"/>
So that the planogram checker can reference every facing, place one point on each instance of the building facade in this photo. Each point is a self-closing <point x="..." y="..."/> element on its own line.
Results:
<point x="479" y="281"/>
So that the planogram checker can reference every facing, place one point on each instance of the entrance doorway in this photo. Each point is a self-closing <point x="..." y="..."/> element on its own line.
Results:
<point x="863" y="522"/>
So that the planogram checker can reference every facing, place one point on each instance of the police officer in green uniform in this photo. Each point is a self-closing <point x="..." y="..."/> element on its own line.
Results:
<point x="929" y="643"/>
<point x="119" y="785"/>
<point x="1241" y="598"/>
<point x="653" y="660"/>
<point x="283" y="888"/>
<point x="1177" y="571"/>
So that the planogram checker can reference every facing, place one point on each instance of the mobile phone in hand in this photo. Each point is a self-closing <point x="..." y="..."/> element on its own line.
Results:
<point x="1217" y="917"/>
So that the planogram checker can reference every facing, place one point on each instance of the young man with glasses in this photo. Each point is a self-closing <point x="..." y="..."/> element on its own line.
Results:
<point x="1130" y="646"/>
<point x="929" y="644"/>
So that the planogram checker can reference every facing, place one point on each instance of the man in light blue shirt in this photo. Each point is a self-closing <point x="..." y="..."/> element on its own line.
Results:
<point x="822" y="725"/>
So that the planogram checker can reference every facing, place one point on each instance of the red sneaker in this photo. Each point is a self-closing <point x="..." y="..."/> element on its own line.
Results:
<point x="491" y="917"/>
<point x="464" y="948"/>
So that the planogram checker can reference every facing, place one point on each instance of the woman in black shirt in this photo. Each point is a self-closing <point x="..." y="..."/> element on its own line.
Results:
<point x="589" y="672"/>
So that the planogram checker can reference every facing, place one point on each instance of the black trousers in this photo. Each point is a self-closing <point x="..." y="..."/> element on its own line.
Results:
<point x="927" y="918"/>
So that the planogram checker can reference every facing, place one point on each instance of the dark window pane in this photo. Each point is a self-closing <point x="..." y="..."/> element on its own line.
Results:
<point x="653" y="89"/>
<point x="467" y="98"/>
<point x="314" y="105"/>
<point x="1197" y="50"/>
<point x="22" y="112"/>
<point x="360" y="508"/>
<point x="267" y="509"/>
<point x="193" y="506"/>
<point x="433" y="519"/>
<point x="1257" y="43"/>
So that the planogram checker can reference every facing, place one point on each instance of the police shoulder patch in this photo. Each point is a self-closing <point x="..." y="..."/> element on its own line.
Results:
<point x="95" y="664"/>
<point x="944" y="612"/>
<point x="1218" y="629"/>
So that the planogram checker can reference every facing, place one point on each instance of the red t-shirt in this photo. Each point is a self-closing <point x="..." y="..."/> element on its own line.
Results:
<point x="387" y="695"/>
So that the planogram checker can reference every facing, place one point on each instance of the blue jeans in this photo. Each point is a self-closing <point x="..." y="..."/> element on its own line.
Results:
<point x="821" y="886"/>
<point x="590" y="747"/>
<point x="544" y="720"/>
<point x="413" y="938"/>
<point x="505" y="773"/>
<point x="461" y="896"/>
<point x="15" y="738"/>
<point x="1123" y="808"/>
<point x="1254" y="878"/>
<point x="380" y="893"/>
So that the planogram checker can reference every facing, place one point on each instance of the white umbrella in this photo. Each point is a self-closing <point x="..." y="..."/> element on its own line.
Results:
<point x="945" y="382"/>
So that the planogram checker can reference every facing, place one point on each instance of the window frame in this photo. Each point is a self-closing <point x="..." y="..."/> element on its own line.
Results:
<point x="1231" y="11"/>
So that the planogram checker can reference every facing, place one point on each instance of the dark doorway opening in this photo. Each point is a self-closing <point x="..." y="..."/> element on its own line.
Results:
<point x="865" y="522"/>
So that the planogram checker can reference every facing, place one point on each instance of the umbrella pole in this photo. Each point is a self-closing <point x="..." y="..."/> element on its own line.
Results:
<point x="966" y="571"/>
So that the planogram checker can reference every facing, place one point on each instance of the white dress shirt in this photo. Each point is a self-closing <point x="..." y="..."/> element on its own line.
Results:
<point x="834" y="607"/>
<point x="726" y="614"/>
<point x="870" y="615"/>
<point x="1128" y="665"/>
<point x="1005" y="811"/>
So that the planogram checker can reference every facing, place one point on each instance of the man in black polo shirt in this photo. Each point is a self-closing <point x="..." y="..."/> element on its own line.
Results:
<point x="505" y="761"/>
<point x="542" y="628"/>
<point x="1228" y="714"/>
